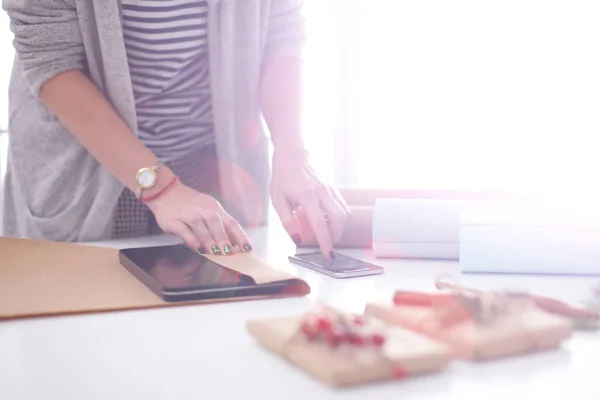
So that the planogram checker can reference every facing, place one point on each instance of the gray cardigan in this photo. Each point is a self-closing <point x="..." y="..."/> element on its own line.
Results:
<point x="54" y="188"/>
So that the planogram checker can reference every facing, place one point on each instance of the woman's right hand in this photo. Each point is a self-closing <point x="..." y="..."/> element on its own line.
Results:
<point x="199" y="219"/>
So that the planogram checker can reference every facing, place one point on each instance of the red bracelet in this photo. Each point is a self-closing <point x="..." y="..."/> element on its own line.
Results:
<point x="161" y="191"/>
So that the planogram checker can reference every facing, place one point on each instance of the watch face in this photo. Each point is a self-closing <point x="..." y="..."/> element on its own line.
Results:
<point x="146" y="178"/>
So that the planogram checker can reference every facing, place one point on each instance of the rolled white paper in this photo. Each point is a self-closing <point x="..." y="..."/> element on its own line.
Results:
<point x="417" y="228"/>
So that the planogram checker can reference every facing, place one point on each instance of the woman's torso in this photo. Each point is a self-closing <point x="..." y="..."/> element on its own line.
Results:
<point x="54" y="188"/>
<point x="167" y="50"/>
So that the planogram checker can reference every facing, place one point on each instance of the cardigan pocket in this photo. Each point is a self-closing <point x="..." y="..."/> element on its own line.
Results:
<point x="63" y="226"/>
<point x="61" y="217"/>
<point x="61" y="220"/>
<point x="52" y="171"/>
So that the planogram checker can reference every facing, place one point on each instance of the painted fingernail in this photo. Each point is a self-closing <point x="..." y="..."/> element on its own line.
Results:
<point x="247" y="248"/>
<point x="297" y="239"/>
<point x="201" y="250"/>
<point x="332" y="255"/>
<point x="228" y="249"/>
<point x="216" y="250"/>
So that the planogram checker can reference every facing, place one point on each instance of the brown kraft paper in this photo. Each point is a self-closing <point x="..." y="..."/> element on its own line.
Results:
<point x="404" y="351"/>
<point x="524" y="329"/>
<point x="39" y="278"/>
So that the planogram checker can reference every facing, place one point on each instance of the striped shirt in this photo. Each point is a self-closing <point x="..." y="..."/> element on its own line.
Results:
<point x="166" y="42"/>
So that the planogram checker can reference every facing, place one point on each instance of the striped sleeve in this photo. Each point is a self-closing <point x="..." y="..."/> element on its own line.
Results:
<point x="286" y="30"/>
<point x="47" y="38"/>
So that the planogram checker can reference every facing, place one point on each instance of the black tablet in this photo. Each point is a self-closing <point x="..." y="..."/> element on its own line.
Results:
<point x="176" y="273"/>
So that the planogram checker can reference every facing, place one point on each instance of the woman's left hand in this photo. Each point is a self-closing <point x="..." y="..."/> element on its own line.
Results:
<point x="295" y="186"/>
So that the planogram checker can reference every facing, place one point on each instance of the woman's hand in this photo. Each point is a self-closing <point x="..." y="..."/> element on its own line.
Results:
<point x="199" y="220"/>
<point x="296" y="186"/>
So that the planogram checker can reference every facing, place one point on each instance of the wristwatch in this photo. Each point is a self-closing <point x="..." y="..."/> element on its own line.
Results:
<point x="146" y="178"/>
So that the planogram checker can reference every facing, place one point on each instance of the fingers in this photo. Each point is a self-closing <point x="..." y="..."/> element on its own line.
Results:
<point x="200" y="230"/>
<point x="306" y="232"/>
<point x="200" y="221"/>
<point x="340" y="200"/>
<point x="286" y="214"/>
<point x="218" y="232"/>
<point x="236" y="233"/>
<point x="213" y="222"/>
<point x="184" y="232"/>
<point x="336" y="215"/>
<point x="318" y="223"/>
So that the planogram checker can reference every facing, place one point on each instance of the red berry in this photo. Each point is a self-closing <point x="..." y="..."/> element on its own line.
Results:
<point x="323" y="323"/>
<point x="356" y="339"/>
<point x="377" y="340"/>
<point x="400" y="373"/>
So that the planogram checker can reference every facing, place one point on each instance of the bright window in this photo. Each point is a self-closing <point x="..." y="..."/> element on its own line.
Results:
<point x="461" y="94"/>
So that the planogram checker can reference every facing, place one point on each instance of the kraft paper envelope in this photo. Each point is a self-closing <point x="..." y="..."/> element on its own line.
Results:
<point x="39" y="278"/>
<point x="405" y="351"/>
<point x="528" y="330"/>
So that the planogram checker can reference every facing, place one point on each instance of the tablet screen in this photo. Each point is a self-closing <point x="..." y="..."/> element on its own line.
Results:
<point x="179" y="268"/>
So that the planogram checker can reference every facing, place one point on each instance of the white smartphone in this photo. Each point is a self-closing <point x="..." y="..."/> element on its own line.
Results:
<point x="342" y="267"/>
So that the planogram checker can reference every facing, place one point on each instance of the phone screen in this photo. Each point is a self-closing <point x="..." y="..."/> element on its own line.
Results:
<point x="341" y="263"/>
<point x="179" y="268"/>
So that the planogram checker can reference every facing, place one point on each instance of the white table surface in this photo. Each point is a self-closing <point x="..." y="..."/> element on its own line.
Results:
<point x="204" y="352"/>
